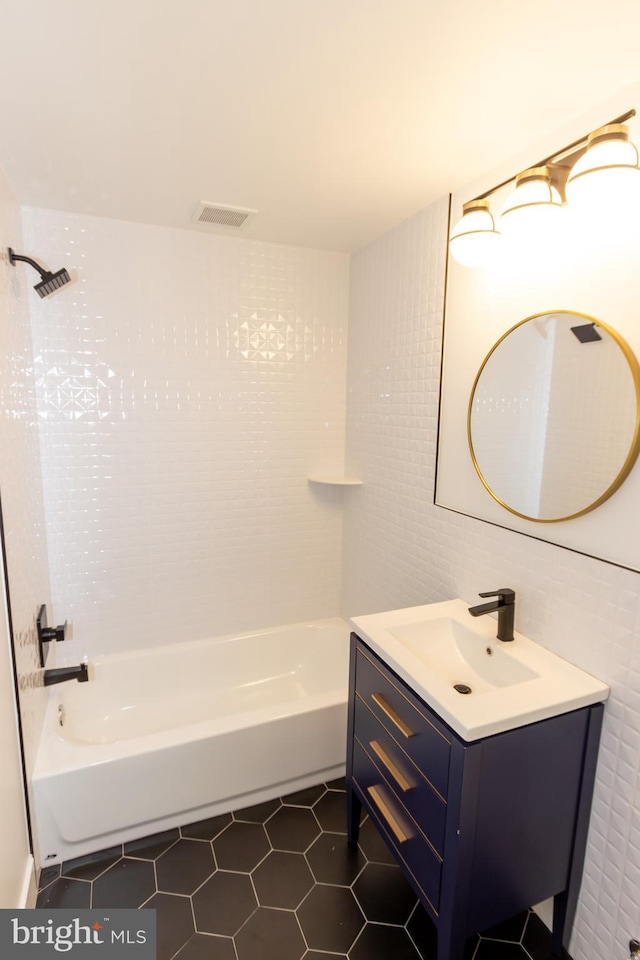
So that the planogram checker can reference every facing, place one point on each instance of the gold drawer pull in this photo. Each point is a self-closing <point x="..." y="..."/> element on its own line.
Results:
<point x="393" y="716"/>
<point x="391" y="766"/>
<point x="387" y="815"/>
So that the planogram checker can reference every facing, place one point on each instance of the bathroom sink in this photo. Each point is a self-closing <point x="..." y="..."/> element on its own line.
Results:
<point x="479" y="685"/>
<point x="458" y="655"/>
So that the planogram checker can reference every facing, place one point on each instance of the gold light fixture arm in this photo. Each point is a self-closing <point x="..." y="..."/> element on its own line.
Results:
<point x="561" y="162"/>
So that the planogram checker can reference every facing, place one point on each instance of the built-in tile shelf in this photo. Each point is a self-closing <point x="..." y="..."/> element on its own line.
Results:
<point x="337" y="481"/>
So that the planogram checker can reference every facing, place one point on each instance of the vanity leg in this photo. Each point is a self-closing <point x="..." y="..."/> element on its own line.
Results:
<point x="564" y="904"/>
<point x="560" y="905"/>
<point x="451" y="944"/>
<point x="354" y="811"/>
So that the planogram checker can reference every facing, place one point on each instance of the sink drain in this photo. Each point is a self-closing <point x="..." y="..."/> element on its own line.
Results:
<point x="462" y="688"/>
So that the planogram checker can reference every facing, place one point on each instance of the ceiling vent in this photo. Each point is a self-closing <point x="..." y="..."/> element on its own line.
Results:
<point x="219" y="215"/>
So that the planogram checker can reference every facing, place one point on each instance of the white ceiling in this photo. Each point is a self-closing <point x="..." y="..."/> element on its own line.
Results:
<point x="335" y="119"/>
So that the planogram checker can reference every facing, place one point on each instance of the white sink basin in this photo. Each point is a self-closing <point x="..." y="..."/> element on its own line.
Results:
<point x="458" y="655"/>
<point x="477" y="684"/>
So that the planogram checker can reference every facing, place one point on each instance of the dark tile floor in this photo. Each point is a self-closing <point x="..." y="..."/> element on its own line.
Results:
<point x="275" y="882"/>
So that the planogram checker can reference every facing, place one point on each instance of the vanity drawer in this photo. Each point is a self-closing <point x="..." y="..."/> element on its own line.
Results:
<point x="398" y="827"/>
<point x="405" y="718"/>
<point x="425" y="805"/>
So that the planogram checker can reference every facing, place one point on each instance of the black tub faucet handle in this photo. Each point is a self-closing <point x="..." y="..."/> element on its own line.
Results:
<point x="47" y="634"/>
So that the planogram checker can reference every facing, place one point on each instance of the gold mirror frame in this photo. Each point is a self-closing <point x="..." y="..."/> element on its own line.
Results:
<point x="634" y="448"/>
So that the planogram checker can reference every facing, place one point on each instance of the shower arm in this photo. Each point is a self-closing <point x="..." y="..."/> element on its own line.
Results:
<point x="16" y="256"/>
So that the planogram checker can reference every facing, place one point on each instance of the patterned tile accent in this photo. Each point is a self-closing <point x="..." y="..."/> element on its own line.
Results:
<point x="401" y="550"/>
<point x="187" y="386"/>
<point x="268" y="903"/>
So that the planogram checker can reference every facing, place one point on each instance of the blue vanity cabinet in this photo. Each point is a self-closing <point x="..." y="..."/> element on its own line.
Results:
<point x="482" y="829"/>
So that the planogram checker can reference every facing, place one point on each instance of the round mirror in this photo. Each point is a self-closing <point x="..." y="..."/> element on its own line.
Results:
<point x="553" y="419"/>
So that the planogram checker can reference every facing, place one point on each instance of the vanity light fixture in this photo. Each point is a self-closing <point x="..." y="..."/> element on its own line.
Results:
<point x="474" y="237"/>
<point x="601" y="169"/>
<point x="534" y="205"/>
<point x="608" y="172"/>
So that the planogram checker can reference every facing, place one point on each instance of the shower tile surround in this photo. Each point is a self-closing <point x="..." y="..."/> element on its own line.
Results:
<point x="275" y="882"/>
<point x="401" y="550"/>
<point x="188" y="384"/>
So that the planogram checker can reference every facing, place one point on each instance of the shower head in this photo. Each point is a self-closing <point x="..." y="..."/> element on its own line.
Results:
<point x="48" y="281"/>
<point x="51" y="282"/>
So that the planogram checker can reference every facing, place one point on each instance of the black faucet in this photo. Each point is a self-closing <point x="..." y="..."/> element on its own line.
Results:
<point x="506" y="607"/>
<point x="60" y="674"/>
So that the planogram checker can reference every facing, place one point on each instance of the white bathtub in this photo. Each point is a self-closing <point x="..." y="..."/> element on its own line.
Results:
<point x="162" y="737"/>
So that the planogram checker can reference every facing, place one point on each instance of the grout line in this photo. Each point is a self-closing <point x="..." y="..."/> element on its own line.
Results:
<point x="243" y="924"/>
<point x="193" y="917"/>
<point x="145" y="902"/>
<point x="414" y="944"/>
<point x="525" y="928"/>
<point x="276" y="909"/>
<point x="253" y="887"/>
<point x="98" y="875"/>
<point x="304" y="939"/>
<point x="515" y="943"/>
<point x="307" y="894"/>
<point x="476" y="948"/>
<point x="155" y="875"/>
<point x="199" y="887"/>
<point x="360" y="933"/>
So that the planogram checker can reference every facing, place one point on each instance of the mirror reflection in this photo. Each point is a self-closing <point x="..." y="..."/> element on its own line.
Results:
<point x="553" y="416"/>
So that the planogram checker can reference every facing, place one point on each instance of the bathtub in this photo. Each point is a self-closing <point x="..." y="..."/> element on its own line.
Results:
<point x="163" y="737"/>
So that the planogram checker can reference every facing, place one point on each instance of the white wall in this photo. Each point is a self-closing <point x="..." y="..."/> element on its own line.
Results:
<point x="187" y="386"/>
<point x="15" y="853"/>
<point x="21" y="493"/>
<point x="401" y="550"/>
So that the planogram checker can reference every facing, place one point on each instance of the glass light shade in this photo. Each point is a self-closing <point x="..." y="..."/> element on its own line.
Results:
<point x="607" y="176"/>
<point x="534" y="206"/>
<point x="474" y="237"/>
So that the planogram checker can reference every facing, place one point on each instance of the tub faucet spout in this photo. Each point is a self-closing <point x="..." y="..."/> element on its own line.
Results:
<point x="60" y="674"/>
<point x="506" y="607"/>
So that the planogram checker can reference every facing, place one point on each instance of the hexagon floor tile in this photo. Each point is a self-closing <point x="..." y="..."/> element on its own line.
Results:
<point x="241" y="847"/>
<point x="282" y="880"/>
<point x="224" y="903"/>
<point x="276" y="881"/>
<point x="184" y="867"/>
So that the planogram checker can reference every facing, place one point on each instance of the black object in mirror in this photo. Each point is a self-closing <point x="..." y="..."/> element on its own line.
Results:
<point x="586" y="333"/>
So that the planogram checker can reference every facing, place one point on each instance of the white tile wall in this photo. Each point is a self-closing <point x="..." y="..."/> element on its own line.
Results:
<point x="20" y="480"/>
<point x="400" y="549"/>
<point x="187" y="386"/>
